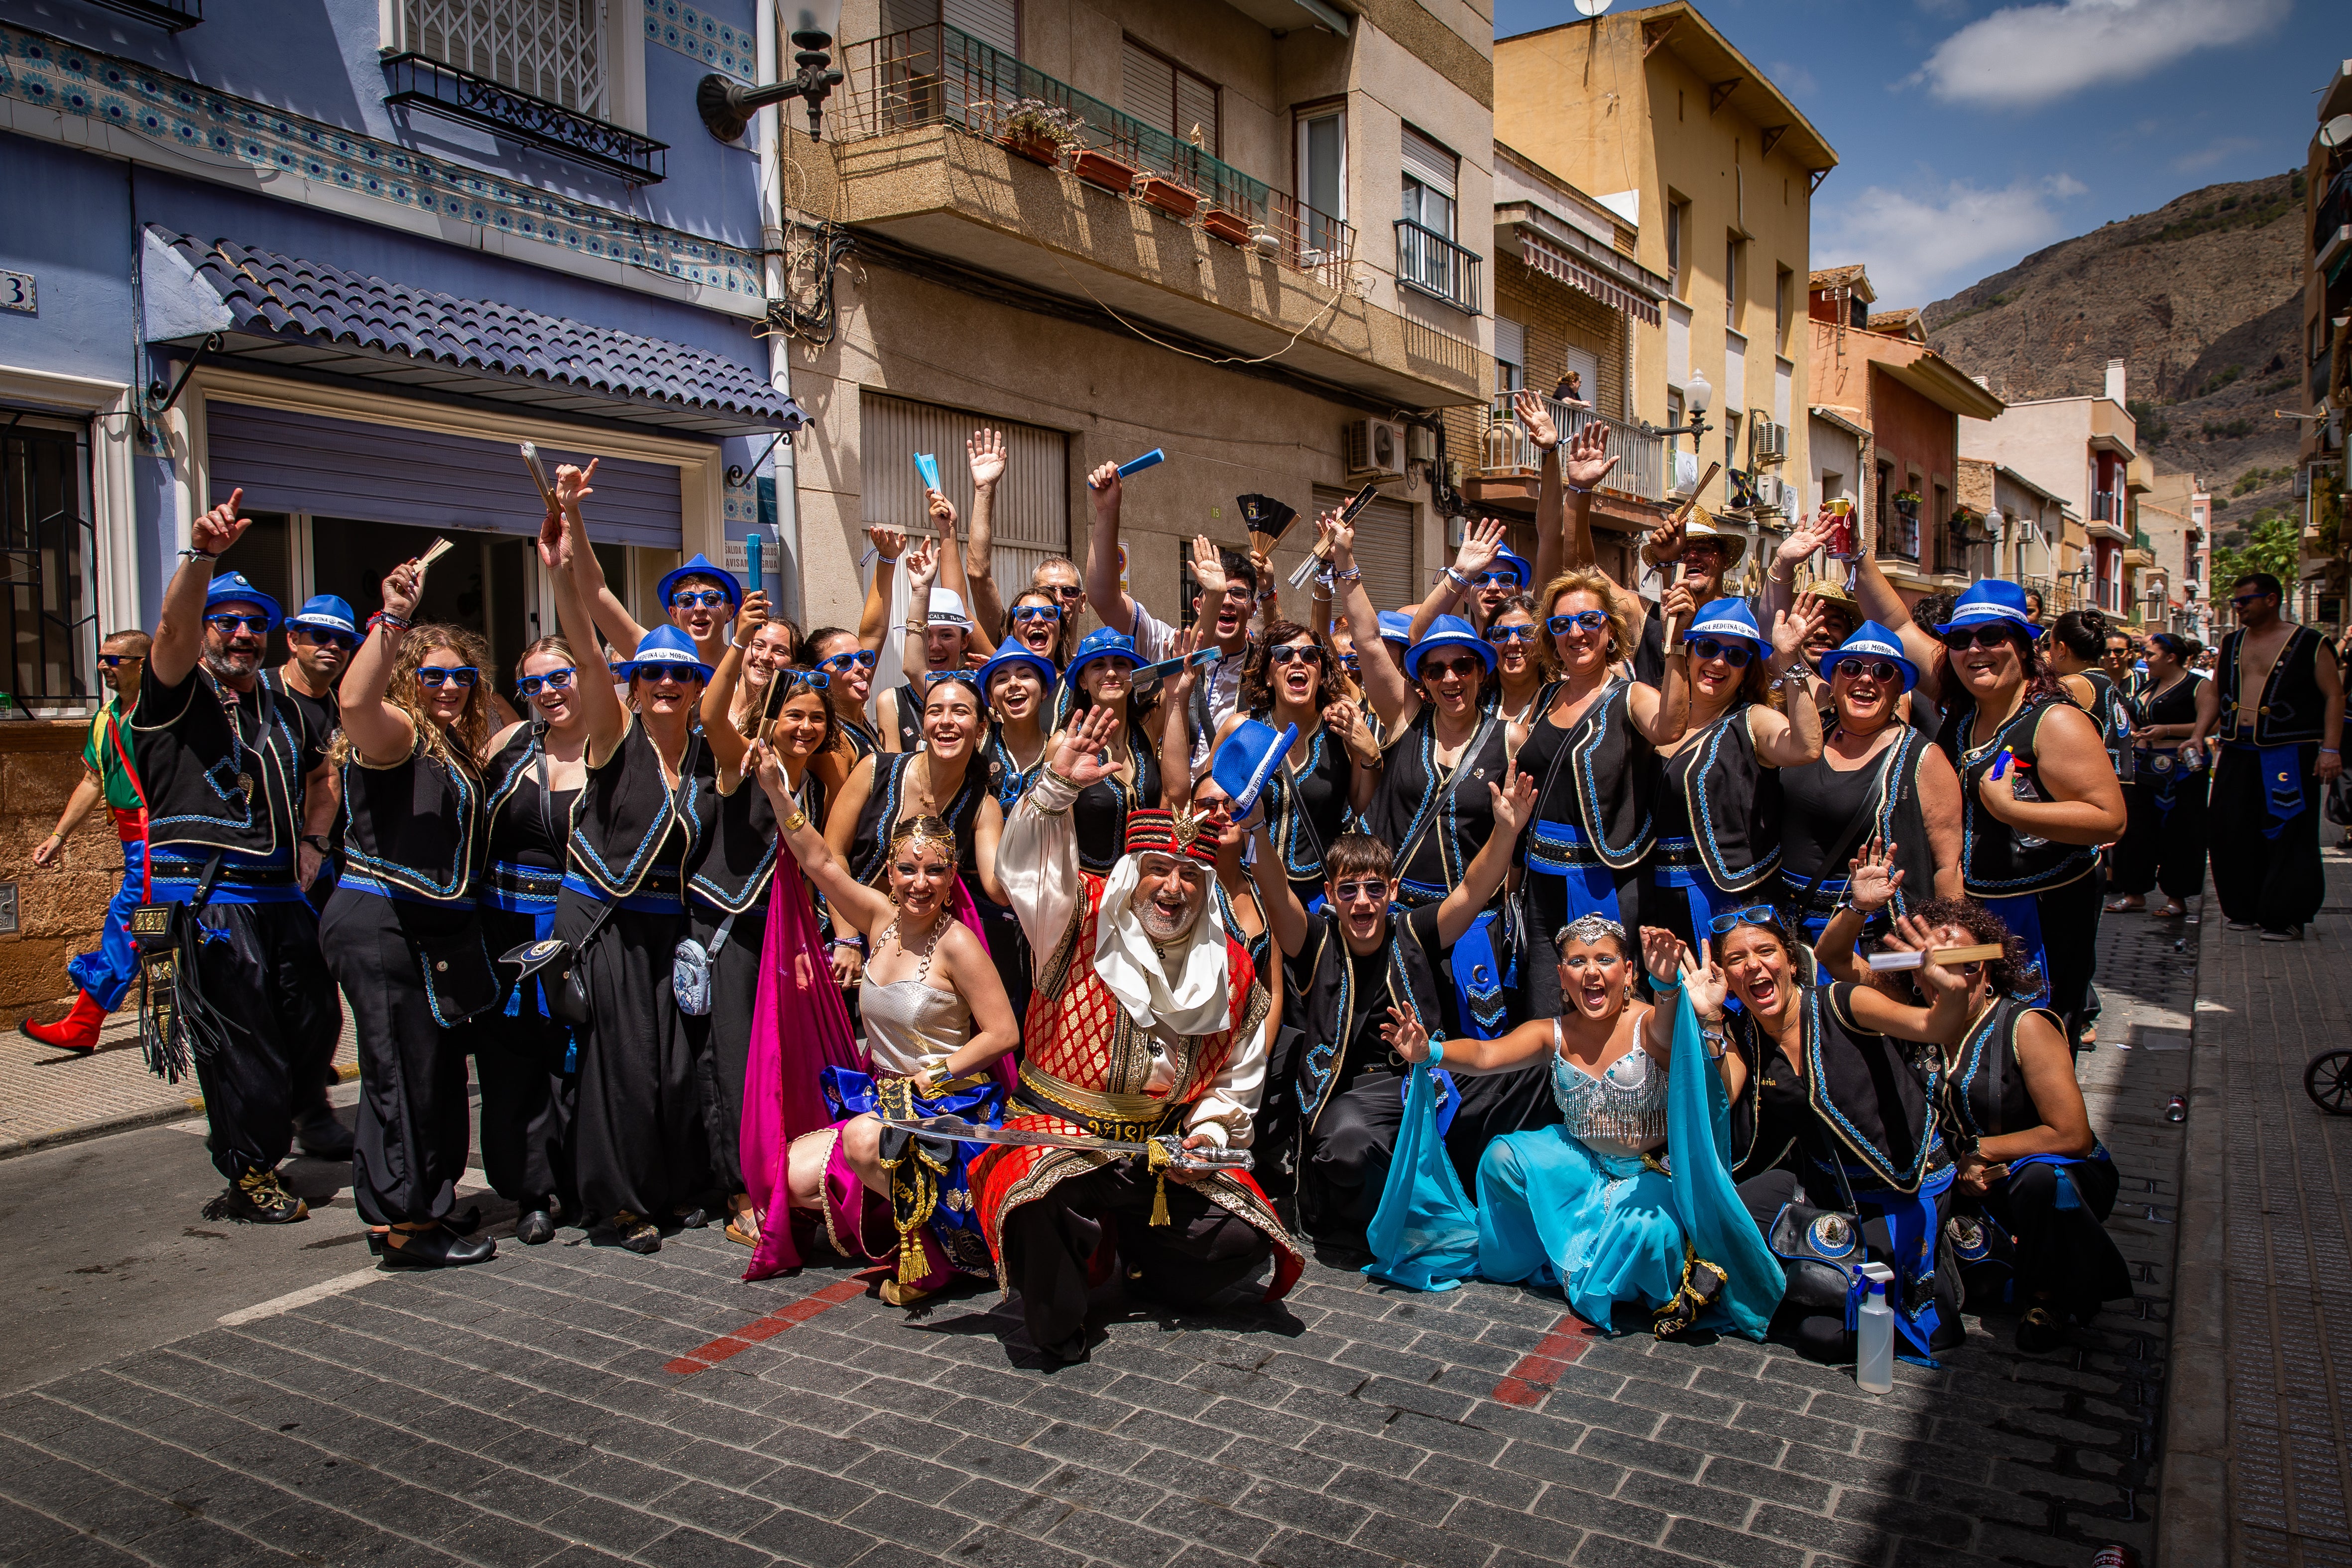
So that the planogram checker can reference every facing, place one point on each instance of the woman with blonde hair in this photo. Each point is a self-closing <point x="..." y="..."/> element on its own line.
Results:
<point x="401" y="933"/>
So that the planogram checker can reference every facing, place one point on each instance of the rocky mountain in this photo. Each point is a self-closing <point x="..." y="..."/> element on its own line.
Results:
<point x="2202" y="301"/>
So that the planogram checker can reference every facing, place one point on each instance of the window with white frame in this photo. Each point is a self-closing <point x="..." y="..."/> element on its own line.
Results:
<point x="1430" y="175"/>
<point x="556" y="50"/>
<point x="1510" y="356"/>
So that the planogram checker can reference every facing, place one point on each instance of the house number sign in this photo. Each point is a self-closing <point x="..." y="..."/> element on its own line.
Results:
<point x="16" y="292"/>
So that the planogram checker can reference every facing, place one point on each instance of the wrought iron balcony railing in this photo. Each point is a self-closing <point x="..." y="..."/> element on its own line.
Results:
<point x="1431" y="263"/>
<point x="171" y="16"/>
<point x="443" y="89"/>
<point x="1640" y="471"/>
<point x="939" y="75"/>
<point x="2104" y="507"/>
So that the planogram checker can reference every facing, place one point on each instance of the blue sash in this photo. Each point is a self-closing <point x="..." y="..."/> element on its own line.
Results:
<point x="660" y="902"/>
<point x="2021" y="914"/>
<point x="1558" y="849"/>
<point x="2283" y="794"/>
<point x="1911" y="1225"/>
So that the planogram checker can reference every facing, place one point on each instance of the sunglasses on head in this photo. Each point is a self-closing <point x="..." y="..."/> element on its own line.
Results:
<point x="1507" y="634"/>
<point x="1753" y="915"/>
<point x="313" y="634"/>
<point x="436" y="676"/>
<point x="1879" y="669"/>
<point x="547" y="680"/>
<point x="968" y="677"/>
<point x="1439" y="669"/>
<point x="1291" y="653"/>
<point x="1735" y="654"/>
<point x="681" y="673"/>
<point x="234" y="624"/>
<point x="699" y="598"/>
<point x="1037" y="613"/>
<point x="1962" y="638"/>
<point x="863" y="659"/>
<point x="1576" y="620"/>
<point x="1350" y="892"/>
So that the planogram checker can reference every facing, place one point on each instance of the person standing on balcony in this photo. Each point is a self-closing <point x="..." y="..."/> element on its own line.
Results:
<point x="102" y="977"/>
<point x="2275" y="709"/>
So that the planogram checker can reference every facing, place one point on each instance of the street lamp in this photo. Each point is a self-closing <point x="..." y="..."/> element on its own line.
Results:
<point x="1698" y="397"/>
<point x="727" y="105"/>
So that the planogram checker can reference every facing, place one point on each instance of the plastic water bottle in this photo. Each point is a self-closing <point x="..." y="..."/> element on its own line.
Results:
<point x="1874" y="1360"/>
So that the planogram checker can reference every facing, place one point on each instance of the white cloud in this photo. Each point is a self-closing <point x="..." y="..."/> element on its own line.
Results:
<point x="1921" y="246"/>
<point x="2028" y="55"/>
<point x="2213" y="152"/>
<point x="1793" y="78"/>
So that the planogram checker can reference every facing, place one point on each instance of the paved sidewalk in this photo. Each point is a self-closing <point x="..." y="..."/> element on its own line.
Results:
<point x="2258" y="1471"/>
<point x="574" y="1406"/>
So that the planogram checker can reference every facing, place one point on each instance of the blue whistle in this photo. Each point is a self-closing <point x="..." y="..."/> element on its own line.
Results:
<point x="2001" y="763"/>
<point x="752" y="560"/>
<point x="1150" y="459"/>
<point x="929" y="466"/>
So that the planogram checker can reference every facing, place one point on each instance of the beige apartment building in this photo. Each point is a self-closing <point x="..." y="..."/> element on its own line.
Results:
<point x="2175" y="587"/>
<point x="2084" y="449"/>
<point x="1253" y="236"/>
<point x="1714" y="168"/>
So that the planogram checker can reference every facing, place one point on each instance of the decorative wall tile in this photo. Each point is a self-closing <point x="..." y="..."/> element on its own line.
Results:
<point x="721" y="45"/>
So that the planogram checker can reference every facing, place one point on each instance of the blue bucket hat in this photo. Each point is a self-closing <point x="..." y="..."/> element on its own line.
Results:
<point x="1101" y="643"/>
<point x="1871" y="640"/>
<point x="1013" y="658"/>
<point x="1993" y="599"/>
<point x="1517" y="565"/>
<point x="665" y="645"/>
<point x="235" y="588"/>
<point x="1727" y="619"/>
<point x="701" y="566"/>
<point x="1396" y="627"/>
<point x="1448" y="631"/>
<point x="326" y="612"/>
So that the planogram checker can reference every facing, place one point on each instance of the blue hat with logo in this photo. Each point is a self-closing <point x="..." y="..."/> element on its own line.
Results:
<point x="701" y="566"/>
<point x="236" y="588"/>
<point x="1992" y="599"/>
<point x="1516" y="564"/>
<point x="1017" y="658"/>
<point x="1396" y="627"/>
<point x="1444" y="632"/>
<point x="1727" y="619"/>
<point x="326" y="612"/>
<point x="1247" y="758"/>
<point x="1101" y="643"/>
<point x="665" y="645"/>
<point x="1871" y="640"/>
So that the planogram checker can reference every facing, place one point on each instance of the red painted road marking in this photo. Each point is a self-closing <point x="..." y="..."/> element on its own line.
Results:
<point x="1541" y="1368"/>
<point x="705" y="1356"/>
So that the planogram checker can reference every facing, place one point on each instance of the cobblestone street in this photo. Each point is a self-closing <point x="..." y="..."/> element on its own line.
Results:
<point x="572" y="1404"/>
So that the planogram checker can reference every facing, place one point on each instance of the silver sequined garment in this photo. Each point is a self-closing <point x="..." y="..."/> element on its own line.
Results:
<point x="1624" y="1109"/>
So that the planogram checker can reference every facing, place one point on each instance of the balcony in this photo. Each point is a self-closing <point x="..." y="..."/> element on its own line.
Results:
<point x="2107" y="518"/>
<point x="1429" y="263"/>
<point x="171" y="16"/>
<point x="955" y="161"/>
<point x="428" y="83"/>
<point x="1509" y="455"/>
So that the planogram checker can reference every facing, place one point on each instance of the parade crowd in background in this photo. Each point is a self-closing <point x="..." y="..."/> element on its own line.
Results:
<point x="1719" y="962"/>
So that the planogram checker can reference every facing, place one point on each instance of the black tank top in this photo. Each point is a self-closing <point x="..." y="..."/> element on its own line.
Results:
<point x="1818" y="808"/>
<point x="2111" y="711"/>
<point x="1100" y="812"/>
<point x="1307" y="807"/>
<point x="527" y="829"/>
<point x="1599" y="773"/>
<point x="628" y="825"/>
<point x="1997" y="862"/>
<point x="415" y="825"/>
<point x="1731" y="804"/>
<point x="1988" y="1090"/>
<point x="1437" y="831"/>
<point x="735" y="843"/>
<point x="887" y="800"/>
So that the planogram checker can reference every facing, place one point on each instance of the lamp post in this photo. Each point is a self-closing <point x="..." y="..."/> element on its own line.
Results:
<point x="1698" y="396"/>
<point x="727" y="105"/>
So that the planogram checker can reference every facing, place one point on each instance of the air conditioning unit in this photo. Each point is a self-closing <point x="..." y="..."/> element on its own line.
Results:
<point x="1768" y="492"/>
<point x="1372" y="449"/>
<point x="1767" y="442"/>
<point x="1419" y="444"/>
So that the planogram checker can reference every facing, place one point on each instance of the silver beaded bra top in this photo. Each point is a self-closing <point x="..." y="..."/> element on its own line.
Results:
<point x="1625" y="1107"/>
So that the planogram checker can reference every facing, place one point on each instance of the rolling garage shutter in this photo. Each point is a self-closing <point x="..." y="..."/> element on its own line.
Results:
<point x="1384" y="550"/>
<point x="382" y="473"/>
<point x="1032" y="518"/>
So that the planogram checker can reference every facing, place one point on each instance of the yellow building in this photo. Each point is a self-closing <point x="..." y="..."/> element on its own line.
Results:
<point x="1657" y="115"/>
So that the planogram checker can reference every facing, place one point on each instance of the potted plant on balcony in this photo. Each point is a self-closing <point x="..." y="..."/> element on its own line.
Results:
<point x="1103" y="166"/>
<point x="1171" y="195"/>
<point x="1908" y="503"/>
<point x="1231" y="227"/>
<point x="1038" y="131"/>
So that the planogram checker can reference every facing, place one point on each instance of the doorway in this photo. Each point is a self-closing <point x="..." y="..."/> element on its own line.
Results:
<point x="484" y="585"/>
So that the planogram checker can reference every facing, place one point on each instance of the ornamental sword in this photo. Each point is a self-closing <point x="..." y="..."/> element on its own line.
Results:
<point x="1174" y="1155"/>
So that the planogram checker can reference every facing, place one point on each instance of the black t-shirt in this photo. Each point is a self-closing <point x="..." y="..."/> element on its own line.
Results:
<point x="324" y="714"/>
<point x="1650" y="656"/>
<point x="1367" y="978"/>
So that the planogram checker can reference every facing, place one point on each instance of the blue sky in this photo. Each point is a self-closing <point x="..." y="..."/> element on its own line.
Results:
<point x="1972" y="133"/>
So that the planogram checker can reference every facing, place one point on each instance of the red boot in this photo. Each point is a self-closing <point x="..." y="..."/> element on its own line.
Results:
<point x="77" y="1031"/>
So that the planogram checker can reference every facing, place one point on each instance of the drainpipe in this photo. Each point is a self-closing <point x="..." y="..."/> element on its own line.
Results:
<point x="768" y="138"/>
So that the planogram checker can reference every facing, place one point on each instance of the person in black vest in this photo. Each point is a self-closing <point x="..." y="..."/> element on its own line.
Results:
<point x="2275" y="709"/>
<point x="847" y="665"/>
<point x="2164" y="844"/>
<point x="1332" y="767"/>
<point x="239" y="798"/>
<point x="640" y="1150"/>
<point x="1346" y="967"/>
<point x="2076" y="649"/>
<point x="940" y="637"/>
<point x="401" y="932"/>
<point x="320" y="638"/>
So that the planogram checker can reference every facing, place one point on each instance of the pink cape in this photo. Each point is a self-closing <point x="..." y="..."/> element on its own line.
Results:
<point x="799" y="1027"/>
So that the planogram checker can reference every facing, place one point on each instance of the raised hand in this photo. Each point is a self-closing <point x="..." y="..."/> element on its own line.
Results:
<point x="1793" y="625"/>
<point x="923" y="563"/>
<point x="1664" y="955"/>
<point x="1536" y="420"/>
<point x="889" y="543"/>
<point x="1080" y="758"/>
<point x="1588" y="459"/>
<point x="1804" y="540"/>
<point x="1678" y="604"/>
<point x="1108" y="486"/>
<point x="984" y="450"/>
<point x="752" y="617"/>
<point x="219" y="528"/>
<point x="1918" y="936"/>
<point x="1704" y="983"/>
<point x="1873" y="879"/>
<point x="403" y="587"/>
<point x="554" y="543"/>
<point x="1183" y="644"/>
<point x="1481" y="543"/>
<point x="1208" y="566"/>
<point x="1666" y="541"/>
<point x="1405" y="1034"/>
<point x="572" y="486"/>
<point x="768" y="767"/>
<point x="1514" y="800"/>
<point x="942" y="513"/>
<point x="1340" y="537"/>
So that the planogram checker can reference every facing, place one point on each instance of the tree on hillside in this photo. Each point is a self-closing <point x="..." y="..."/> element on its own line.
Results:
<point x="2275" y="548"/>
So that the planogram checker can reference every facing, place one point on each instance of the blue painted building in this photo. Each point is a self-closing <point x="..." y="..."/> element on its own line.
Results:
<point x="346" y="255"/>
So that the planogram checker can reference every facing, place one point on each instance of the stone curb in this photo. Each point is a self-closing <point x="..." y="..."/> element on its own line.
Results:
<point x="2193" y="1499"/>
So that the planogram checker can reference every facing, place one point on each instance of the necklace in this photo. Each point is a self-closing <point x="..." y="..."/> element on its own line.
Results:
<point x="923" y="959"/>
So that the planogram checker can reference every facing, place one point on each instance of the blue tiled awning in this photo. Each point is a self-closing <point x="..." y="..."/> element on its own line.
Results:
<point x="286" y="312"/>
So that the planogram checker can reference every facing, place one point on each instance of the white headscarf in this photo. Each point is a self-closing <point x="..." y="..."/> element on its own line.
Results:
<point x="1131" y="965"/>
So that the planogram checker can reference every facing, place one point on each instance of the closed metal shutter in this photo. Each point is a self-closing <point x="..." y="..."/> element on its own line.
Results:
<point x="1384" y="546"/>
<point x="1032" y="516"/>
<point x="382" y="473"/>
<point x="996" y="23"/>
<point x="1430" y="164"/>
<point x="1167" y="97"/>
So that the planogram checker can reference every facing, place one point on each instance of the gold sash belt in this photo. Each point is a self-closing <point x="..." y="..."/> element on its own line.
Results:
<point x="1128" y="1117"/>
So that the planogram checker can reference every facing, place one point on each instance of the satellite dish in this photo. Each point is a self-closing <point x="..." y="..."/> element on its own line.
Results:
<point x="2337" y="133"/>
<point x="1593" y="7"/>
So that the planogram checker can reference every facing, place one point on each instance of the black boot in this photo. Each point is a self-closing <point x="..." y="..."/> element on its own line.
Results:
<point x="439" y="1247"/>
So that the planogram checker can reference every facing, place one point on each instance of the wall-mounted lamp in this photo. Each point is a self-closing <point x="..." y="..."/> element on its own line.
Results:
<point x="727" y="105"/>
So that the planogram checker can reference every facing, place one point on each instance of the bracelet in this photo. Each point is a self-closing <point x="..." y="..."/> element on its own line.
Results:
<point x="1454" y="575"/>
<point x="1578" y="489"/>
<point x="1353" y="575"/>
<point x="2329" y="751"/>
<point x="385" y="617"/>
<point x="193" y="553"/>
<point x="1716" y="1038"/>
<point x="1436" y="1052"/>
<point x="795" y="822"/>
<point x="917" y="629"/>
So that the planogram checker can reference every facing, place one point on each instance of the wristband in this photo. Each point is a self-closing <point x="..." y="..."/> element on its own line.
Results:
<point x="385" y="617"/>
<point x="1453" y="575"/>
<point x="1436" y="1052"/>
<point x="1578" y="489"/>
<point x="193" y="553"/>
<point x="2329" y="751"/>
<point x="1353" y="575"/>
<point x="1663" y="987"/>
<point x="795" y="822"/>
<point x="315" y="840"/>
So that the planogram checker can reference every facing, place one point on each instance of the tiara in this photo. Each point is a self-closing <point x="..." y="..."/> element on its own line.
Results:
<point x="1589" y="928"/>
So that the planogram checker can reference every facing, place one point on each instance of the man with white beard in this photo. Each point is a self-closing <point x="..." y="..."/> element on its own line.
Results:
<point x="1147" y="1019"/>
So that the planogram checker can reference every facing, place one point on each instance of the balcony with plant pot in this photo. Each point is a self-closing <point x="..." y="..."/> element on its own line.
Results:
<point x="956" y="161"/>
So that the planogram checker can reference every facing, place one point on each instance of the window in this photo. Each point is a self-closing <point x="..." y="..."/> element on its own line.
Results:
<point x="1166" y="97"/>
<point x="1784" y="291"/>
<point x="1510" y="356"/>
<point x="1429" y="184"/>
<point x="1731" y="281"/>
<point x="551" y="49"/>
<point x="1677" y="228"/>
<point x="1323" y="162"/>
<point x="49" y="539"/>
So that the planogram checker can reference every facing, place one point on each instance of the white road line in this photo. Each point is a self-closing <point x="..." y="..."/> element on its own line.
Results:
<point x="302" y="1298"/>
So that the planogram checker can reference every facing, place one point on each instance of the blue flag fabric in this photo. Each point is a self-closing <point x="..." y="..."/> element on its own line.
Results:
<point x="1424" y="1236"/>
<point x="1717" y="1225"/>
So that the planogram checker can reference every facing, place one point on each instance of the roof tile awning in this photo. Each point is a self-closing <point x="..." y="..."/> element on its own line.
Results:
<point x="1568" y="269"/>
<point x="283" y="312"/>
